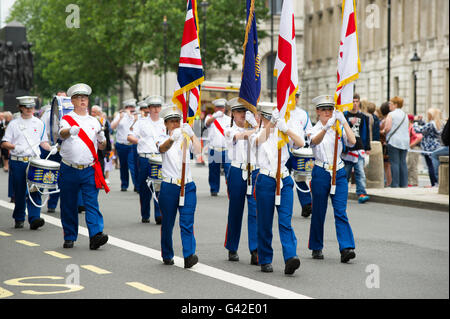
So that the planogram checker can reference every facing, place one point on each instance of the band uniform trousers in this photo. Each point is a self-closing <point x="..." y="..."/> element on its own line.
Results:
<point x="168" y="203"/>
<point x="71" y="182"/>
<point x="303" y="197"/>
<point x="19" y="184"/>
<point x="127" y="162"/>
<point x="145" y="194"/>
<point x="216" y="161"/>
<point x="237" y="192"/>
<point x="320" y="189"/>
<point x="265" y="202"/>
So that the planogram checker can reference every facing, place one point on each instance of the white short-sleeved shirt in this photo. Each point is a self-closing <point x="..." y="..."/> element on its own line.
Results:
<point x="73" y="149"/>
<point x="123" y="129"/>
<point x="19" y="129"/>
<point x="215" y="137"/>
<point x="324" y="151"/>
<point x="171" y="160"/>
<point x="301" y="119"/>
<point x="148" y="131"/>
<point x="237" y="149"/>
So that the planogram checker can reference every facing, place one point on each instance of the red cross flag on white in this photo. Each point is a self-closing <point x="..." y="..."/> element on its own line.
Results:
<point x="349" y="64"/>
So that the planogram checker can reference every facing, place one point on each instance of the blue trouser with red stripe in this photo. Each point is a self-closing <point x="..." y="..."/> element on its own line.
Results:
<point x="216" y="160"/>
<point x="320" y="189"/>
<point x="168" y="202"/>
<point x="265" y="201"/>
<point x="237" y="190"/>
<point x="127" y="161"/>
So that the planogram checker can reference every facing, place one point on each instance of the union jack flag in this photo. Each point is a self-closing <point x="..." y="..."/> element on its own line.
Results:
<point x="190" y="68"/>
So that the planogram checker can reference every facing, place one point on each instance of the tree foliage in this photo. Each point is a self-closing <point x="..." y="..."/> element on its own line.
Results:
<point x="116" y="37"/>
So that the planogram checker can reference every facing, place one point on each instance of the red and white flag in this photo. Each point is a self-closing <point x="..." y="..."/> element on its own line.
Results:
<point x="349" y="64"/>
<point x="285" y="68"/>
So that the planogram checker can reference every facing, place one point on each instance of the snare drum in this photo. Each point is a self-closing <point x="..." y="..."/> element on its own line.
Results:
<point x="154" y="170"/>
<point x="303" y="161"/>
<point x="43" y="173"/>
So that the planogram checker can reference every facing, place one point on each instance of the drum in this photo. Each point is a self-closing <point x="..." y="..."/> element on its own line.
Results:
<point x="303" y="161"/>
<point x="154" y="170"/>
<point x="43" y="173"/>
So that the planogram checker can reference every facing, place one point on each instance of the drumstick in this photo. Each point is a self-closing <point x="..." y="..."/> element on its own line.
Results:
<point x="22" y="129"/>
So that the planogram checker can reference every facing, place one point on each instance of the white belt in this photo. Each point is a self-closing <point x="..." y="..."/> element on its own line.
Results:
<point x="243" y="166"/>
<point x="21" y="158"/>
<point x="76" y="165"/>
<point x="148" y="155"/>
<point x="328" y="167"/>
<point x="176" y="181"/>
<point x="284" y="173"/>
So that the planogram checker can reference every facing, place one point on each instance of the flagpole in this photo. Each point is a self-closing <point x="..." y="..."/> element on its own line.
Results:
<point x="183" y="160"/>
<point x="333" y="179"/>
<point x="278" y="189"/>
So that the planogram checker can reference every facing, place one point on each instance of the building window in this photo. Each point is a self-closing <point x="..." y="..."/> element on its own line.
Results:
<point x="277" y="6"/>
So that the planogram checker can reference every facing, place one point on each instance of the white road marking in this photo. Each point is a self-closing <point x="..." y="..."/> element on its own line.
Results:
<point x="238" y="280"/>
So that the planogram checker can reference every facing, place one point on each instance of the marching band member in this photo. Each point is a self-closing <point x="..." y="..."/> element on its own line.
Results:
<point x="266" y="142"/>
<point x="170" y="146"/>
<point x="322" y="143"/>
<point x="218" y="155"/>
<point x="23" y="136"/>
<point x="300" y="117"/>
<point x="145" y="132"/>
<point x="80" y="170"/>
<point x="122" y="123"/>
<point x="237" y="137"/>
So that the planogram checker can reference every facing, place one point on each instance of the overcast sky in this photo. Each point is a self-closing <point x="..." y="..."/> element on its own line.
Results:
<point x="4" y="10"/>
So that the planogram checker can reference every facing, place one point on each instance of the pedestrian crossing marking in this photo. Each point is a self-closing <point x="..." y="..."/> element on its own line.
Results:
<point x="56" y="254"/>
<point x="27" y="243"/>
<point x="5" y="293"/>
<point x="96" y="269"/>
<point x="4" y="234"/>
<point x="144" y="288"/>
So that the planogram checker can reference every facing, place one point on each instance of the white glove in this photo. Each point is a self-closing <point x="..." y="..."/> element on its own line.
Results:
<point x="74" y="130"/>
<point x="340" y="116"/>
<point x="19" y="149"/>
<point x="250" y="118"/>
<point x="275" y="116"/>
<point x="176" y="134"/>
<point x="330" y="123"/>
<point x="282" y="126"/>
<point x="54" y="150"/>
<point x="217" y="114"/>
<point x="188" y="130"/>
<point x="100" y="136"/>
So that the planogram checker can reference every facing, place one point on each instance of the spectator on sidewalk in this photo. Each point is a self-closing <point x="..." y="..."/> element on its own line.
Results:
<point x="354" y="157"/>
<point x="413" y="157"/>
<point x="431" y="141"/>
<point x="442" y="151"/>
<point x="371" y="107"/>
<point x="384" y="111"/>
<point x="397" y="140"/>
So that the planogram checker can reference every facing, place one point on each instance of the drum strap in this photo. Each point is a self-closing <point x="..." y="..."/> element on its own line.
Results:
<point x="99" y="179"/>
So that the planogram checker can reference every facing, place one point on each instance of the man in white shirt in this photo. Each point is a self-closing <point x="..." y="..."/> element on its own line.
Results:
<point x="23" y="136"/>
<point x="122" y="123"/>
<point x="82" y="134"/>
<point x="144" y="133"/>
<point x="218" y="154"/>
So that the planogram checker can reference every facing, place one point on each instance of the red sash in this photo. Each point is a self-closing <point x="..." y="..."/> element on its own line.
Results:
<point x="217" y="124"/>
<point x="99" y="179"/>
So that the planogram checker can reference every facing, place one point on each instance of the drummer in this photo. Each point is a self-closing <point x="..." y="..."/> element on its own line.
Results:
<point x="299" y="117"/>
<point x="23" y="137"/>
<point x="266" y="142"/>
<point x="82" y="134"/>
<point x="170" y="146"/>
<point x="145" y="132"/>
<point x="322" y="143"/>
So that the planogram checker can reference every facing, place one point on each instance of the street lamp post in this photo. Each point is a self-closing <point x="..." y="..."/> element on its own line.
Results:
<point x="204" y="4"/>
<point x="415" y="63"/>
<point x="165" y="26"/>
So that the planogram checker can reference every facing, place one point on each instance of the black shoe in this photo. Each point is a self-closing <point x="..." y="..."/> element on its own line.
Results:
<point x="18" y="224"/>
<point x="317" y="254"/>
<point x="158" y="220"/>
<point x="266" y="268"/>
<point x="51" y="210"/>
<point x="38" y="222"/>
<point x="292" y="265"/>
<point x="213" y="194"/>
<point x="306" y="210"/>
<point x="233" y="256"/>
<point x="347" y="254"/>
<point x="168" y="262"/>
<point x="190" y="261"/>
<point x="135" y="190"/>
<point x="68" y="244"/>
<point x="146" y="220"/>
<point x="97" y="240"/>
<point x="81" y="209"/>
<point x="123" y="189"/>
<point x="254" y="257"/>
